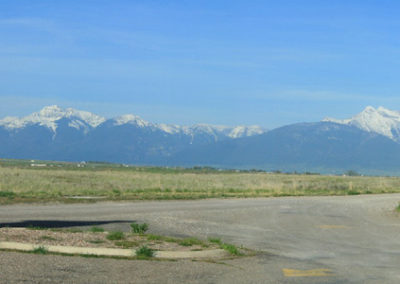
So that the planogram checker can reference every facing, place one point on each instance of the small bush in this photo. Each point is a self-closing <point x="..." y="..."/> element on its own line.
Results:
<point x="398" y="207"/>
<point x="95" y="229"/>
<point x="115" y="236"/>
<point x="40" y="250"/>
<point x="8" y="194"/>
<point x="232" y="249"/>
<point x="144" y="252"/>
<point x="139" y="228"/>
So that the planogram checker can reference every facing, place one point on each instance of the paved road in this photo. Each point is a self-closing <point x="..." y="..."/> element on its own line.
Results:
<point x="349" y="239"/>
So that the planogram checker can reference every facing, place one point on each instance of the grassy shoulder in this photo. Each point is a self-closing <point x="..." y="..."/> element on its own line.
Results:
<point x="67" y="183"/>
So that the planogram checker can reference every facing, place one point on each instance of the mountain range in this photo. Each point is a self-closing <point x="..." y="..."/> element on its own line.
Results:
<point x="54" y="133"/>
<point x="369" y="142"/>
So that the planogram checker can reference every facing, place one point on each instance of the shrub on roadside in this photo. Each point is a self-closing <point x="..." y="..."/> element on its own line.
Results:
<point x="139" y="228"/>
<point x="40" y="250"/>
<point x="144" y="252"/>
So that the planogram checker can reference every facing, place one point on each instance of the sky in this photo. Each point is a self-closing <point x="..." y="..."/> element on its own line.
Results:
<point x="268" y="63"/>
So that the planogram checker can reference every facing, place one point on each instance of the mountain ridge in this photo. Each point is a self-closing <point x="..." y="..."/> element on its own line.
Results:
<point x="49" y="115"/>
<point x="367" y="142"/>
<point x="381" y="120"/>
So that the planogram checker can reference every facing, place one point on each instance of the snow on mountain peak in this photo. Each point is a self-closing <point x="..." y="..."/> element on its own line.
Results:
<point x="381" y="120"/>
<point x="169" y="128"/>
<point x="245" y="131"/>
<point x="49" y="115"/>
<point x="51" y="111"/>
<point x="130" y="119"/>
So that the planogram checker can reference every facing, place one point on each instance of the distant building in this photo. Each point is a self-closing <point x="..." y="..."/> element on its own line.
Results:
<point x="38" y="165"/>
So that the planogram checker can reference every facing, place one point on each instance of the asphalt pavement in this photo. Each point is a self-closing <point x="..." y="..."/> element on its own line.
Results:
<point x="343" y="239"/>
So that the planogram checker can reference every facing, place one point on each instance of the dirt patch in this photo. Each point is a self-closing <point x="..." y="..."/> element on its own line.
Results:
<point x="65" y="237"/>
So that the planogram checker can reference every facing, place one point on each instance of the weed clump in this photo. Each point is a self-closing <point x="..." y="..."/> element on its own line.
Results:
<point x="95" y="229"/>
<point x="8" y="194"/>
<point x="139" y="228"/>
<point x="40" y="250"/>
<point x="144" y="252"/>
<point x="232" y="249"/>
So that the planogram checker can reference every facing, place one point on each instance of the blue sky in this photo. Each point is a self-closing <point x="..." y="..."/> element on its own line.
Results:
<point x="223" y="62"/>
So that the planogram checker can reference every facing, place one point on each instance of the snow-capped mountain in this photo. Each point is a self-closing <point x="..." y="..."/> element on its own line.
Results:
<point x="218" y="132"/>
<point x="381" y="120"/>
<point x="50" y="115"/>
<point x="68" y="134"/>
<point x="130" y="119"/>
<point x="369" y="141"/>
<point x="245" y="131"/>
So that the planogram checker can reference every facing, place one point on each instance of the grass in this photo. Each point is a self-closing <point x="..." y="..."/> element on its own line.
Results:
<point x="95" y="229"/>
<point x="398" y="208"/>
<point x="8" y="194"/>
<point x="23" y="184"/>
<point x="152" y="237"/>
<point x="144" y="252"/>
<point x="215" y="241"/>
<point x="115" y="236"/>
<point x="40" y="250"/>
<point x="188" y="242"/>
<point x="139" y="228"/>
<point x="232" y="249"/>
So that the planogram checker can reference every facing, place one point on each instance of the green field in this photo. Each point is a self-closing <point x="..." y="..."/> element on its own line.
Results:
<point x="66" y="182"/>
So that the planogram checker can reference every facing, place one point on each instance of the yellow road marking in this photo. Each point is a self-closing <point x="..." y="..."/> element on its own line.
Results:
<point x="333" y="227"/>
<point x="307" y="273"/>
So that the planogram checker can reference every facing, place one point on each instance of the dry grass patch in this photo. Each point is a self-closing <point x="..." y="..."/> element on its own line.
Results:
<point x="32" y="185"/>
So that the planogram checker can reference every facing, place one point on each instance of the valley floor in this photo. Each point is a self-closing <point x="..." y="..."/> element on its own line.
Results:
<point x="70" y="184"/>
